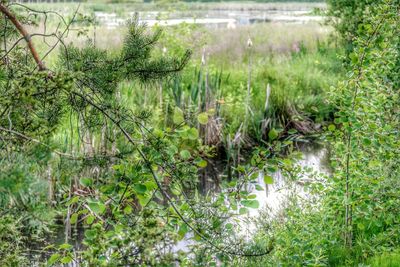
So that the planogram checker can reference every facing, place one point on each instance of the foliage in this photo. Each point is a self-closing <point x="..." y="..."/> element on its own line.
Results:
<point x="368" y="102"/>
<point x="124" y="144"/>
<point x="356" y="215"/>
<point x="387" y="259"/>
<point x="11" y="242"/>
<point x="348" y="15"/>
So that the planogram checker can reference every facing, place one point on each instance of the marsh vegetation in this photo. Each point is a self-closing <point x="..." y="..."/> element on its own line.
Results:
<point x="200" y="134"/>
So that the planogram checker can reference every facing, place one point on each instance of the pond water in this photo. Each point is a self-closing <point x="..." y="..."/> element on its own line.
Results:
<point x="314" y="166"/>
<point x="272" y="199"/>
<point x="231" y="18"/>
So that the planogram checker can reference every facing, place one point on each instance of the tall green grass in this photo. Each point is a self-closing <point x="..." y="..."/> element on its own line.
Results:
<point x="387" y="259"/>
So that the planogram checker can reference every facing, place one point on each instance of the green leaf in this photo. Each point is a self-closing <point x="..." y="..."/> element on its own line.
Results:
<point x="175" y="190"/>
<point x="151" y="185"/>
<point x="86" y="181"/>
<point x="66" y="259"/>
<point x="97" y="207"/>
<point x="128" y="210"/>
<point x="259" y="187"/>
<point x="74" y="218"/>
<point x="53" y="259"/>
<point x="331" y="127"/>
<point x="243" y="211"/>
<point x="172" y="150"/>
<point x="367" y="141"/>
<point x="185" y="154"/>
<point x="140" y="188"/>
<point x="203" y="118"/>
<point x="90" y="233"/>
<point x="251" y="203"/>
<point x="354" y="57"/>
<point x="241" y="169"/>
<point x="90" y="219"/>
<point x="107" y="189"/>
<point x="268" y="179"/>
<point x="254" y="175"/>
<point x="178" y="116"/>
<point x="65" y="246"/>
<point x="273" y="134"/>
<point x="183" y="229"/>
<point x="272" y="168"/>
<point x="143" y="199"/>
<point x="193" y="134"/>
<point x="73" y="200"/>
<point x="201" y="163"/>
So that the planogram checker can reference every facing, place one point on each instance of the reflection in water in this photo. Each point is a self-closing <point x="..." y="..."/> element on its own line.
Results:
<point x="314" y="165"/>
<point x="212" y="18"/>
<point x="272" y="198"/>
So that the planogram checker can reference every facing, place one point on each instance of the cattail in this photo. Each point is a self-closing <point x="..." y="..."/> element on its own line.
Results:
<point x="249" y="43"/>
<point x="203" y="57"/>
<point x="268" y="93"/>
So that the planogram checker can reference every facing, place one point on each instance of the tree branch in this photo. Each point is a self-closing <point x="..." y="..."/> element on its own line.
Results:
<point x="25" y="34"/>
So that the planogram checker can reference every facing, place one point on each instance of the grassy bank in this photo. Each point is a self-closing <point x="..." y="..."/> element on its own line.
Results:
<point x="280" y="82"/>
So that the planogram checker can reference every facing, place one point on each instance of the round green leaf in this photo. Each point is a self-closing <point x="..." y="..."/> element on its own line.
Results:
<point x="251" y="203"/>
<point x="268" y="179"/>
<point x="203" y="118"/>
<point x="201" y="163"/>
<point x="140" y="188"/>
<point x="185" y="154"/>
<point x="66" y="259"/>
<point x="128" y="210"/>
<point x="97" y="207"/>
<point x="259" y="187"/>
<point x="331" y="127"/>
<point x="243" y="211"/>
<point x="178" y="116"/>
<point x="367" y="141"/>
<point x="90" y="233"/>
<point x="86" y="181"/>
<point x="273" y="134"/>
<point x="193" y="134"/>
<point x="90" y="219"/>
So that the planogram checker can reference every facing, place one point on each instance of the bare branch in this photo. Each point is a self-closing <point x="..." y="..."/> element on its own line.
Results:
<point x="25" y="34"/>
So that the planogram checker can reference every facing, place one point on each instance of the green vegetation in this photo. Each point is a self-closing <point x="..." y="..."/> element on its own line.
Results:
<point x="145" y="146"/>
